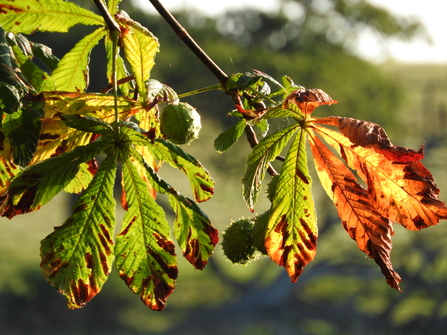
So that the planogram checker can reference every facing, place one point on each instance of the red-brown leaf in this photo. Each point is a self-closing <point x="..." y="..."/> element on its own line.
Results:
<point x="308" y="100"/>
<point x="401" y="188"/>
<point x="361" y="220"/>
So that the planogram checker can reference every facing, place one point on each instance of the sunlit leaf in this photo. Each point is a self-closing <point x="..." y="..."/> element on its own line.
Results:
<point x="257" y="163"/>
<point x="28" y="16"/>
<point x="361" y="220"/>
<point x="146" y="258"/>
<point x="77" y="257"/>
<point x="200" y="180"/>
<point x="140" y="47"/>
<point x="402" y="189"/>
<point x="225" y="141"/>
<point x="308" y="100"/>
<point x="291" y="237"/>
<point x="39" y="183"/>
<point x="56" y="137"/>
<point x="72" y="72"/>
<point x="83" y="178"/>
<point x="193" y="231"/>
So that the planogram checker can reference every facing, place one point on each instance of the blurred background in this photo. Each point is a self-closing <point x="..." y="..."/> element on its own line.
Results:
<point x="318" y="43"/>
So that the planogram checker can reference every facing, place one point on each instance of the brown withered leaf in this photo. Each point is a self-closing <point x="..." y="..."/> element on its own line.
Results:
<point x="308" y="100"/>
<point x="399" y="186"/>
<point x="364" y="224"/>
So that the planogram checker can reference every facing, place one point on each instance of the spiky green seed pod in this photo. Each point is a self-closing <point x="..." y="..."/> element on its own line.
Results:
<point x="237" y="242"/>
<point x="180" y="124"/>
<point x="259" y="231"/>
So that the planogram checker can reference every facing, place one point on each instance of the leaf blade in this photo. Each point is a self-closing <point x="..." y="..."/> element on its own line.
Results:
<point x="77" y="257"/>
<point x="39" y="183"/>
<point x="359" y="216"/>
<point x="257" y="162"/>
<point x="292" y="231"/>
<point x="28" y="16"/>
<point x="72" y="72"/>
<point x="401" y="187"/>
<point x="146" y="258"/>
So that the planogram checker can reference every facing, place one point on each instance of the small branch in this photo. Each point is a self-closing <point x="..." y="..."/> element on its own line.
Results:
<point x="191" y="44"/>
<point x="111" y="23"/>
<point x="251" y="138"/>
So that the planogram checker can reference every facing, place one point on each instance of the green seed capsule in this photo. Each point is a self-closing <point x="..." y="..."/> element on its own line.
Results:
<point x="180" y="124"/>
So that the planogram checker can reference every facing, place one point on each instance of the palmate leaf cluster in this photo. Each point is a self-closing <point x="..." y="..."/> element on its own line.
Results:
<point x="398" y="187"/>
<point x="56" y="136"/>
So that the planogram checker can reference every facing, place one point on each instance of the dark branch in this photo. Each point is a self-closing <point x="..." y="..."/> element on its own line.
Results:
<point x="191" y="44"/>
<point x="111" y="23"/>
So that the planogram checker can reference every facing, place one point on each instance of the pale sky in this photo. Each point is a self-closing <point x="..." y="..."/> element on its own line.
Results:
<point x="433" y="14"/>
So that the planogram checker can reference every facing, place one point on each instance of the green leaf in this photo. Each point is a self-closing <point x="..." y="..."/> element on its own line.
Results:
<point x="200" y="180"/>
<point x="140" y="47"/>
<point x="39" y="183"/>
<point x="22" y="128"/>
<point x="56" y="137"/>
<point x="192" y="228"/>
<point x="291" y="237"/>
<point x="225" y="141"/>
<point x="193" y="231"/>
<point x="280" y="112"/>
<point x="72" y="72"/>
<point x="87" y="123"/>
<point x="112" y="6"/>
<point x="28" y="16"/>
<point x="83" y="178"/>
<point x="45" y="54"/>
<point x="145" y="253"/>
<point x="39" y="79"/>
<point x="254" y="76"/>
<point x="77" y="257"/>
<point x="257" y="163"/>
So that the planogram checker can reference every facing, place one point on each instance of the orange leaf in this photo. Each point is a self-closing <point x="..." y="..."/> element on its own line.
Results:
<point x="308" y="100"/>
<point x="401" y="188"/>
<point x="365" y="225"/>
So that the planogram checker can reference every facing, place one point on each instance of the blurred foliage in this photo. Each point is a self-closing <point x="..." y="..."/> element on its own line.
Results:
<point x="341" y="292"/>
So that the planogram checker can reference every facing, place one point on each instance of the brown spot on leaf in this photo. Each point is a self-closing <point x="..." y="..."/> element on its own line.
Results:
<point x="104" y="243"/>
<point x="162" y="290"/>
<point x="129" y="225"/>
<point x="81" y="293"/>
<point x="170" y="270"/>
<point x="127" y="280"/>
<point x="106" y="233"/>
<point x="89" y="261"/>
<point x="301" y="175"/>
<point x="419" y="222"/>
<point x="166" y="245"/>
<point x="104" y="264"/>
<point x="63" y="147"/>
<point x="309" y="239"/>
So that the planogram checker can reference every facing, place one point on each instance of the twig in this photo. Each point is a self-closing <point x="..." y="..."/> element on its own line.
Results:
<point x="111" y="23"/>
<point x="115" y="33"/>
<point x="191" y="44"/>
<point x="221" y="76"/>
